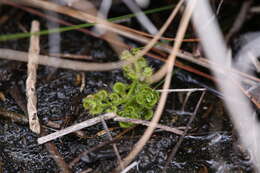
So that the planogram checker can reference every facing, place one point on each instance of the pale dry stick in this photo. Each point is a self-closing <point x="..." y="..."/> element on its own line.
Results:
<point x="54" y="42"/>
<point x="87" y="170"/>
<point x="131" y="166"/>
<point x="183" y="90"/>
<point x="83" y="81"/>
<point x="103" y="13"/>
<point x="75" y="127"/>
<point x="141" y="17"/>
<point x="108" y="25"/>
<point x="113" y="144"/>
<point x="23" y="56"/>
<point x="186" y="100"/>
<point x="240" y="113"/>
<point x="68" y="55"/>
<point x="147" y="123"/>
<point x="31" y="79"/>
<point x="170" y="62"/>
<point x="78" y="65"/>
<point x="96" y="120"/>
<point x="255" y="9"/>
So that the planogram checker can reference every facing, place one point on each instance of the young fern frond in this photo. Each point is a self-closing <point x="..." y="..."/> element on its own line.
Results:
<point x="102" y="94"/>
<point x="147" y="97"/>
<point x="114" y="98"/>
<point x="135" y="100"/>
<point x="120" y="88"/>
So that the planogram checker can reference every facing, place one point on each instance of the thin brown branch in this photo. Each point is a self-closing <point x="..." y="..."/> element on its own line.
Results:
<point x="57" y="157"/>
<point x="19" y="98"/>
<point x="72" y="56"/>
<point x="15" y="117"/>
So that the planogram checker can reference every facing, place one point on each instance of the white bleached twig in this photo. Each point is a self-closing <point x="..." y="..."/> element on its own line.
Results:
<point x="147" y="123"/>
<point x="131" y="166"/>
<point x="31" y="79"/>
<point x="75" y="127"/>
<point x="183" y="90"/>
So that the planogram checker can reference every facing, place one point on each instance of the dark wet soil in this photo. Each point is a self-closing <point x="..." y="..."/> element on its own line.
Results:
<point x="210" y="146"/>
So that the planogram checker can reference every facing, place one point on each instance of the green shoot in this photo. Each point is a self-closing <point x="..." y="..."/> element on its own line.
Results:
<point x="135" y="100"/>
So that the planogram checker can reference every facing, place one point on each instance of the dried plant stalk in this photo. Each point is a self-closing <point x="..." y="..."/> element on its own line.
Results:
<point x="75" y="127"/>
<point x="31" y="79"/>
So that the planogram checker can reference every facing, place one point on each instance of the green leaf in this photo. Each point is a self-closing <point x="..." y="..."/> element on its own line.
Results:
<point x="89" y="102"/>
<point x="148" y="72"/>
<point x="148" y="114"/>
<point x="138" y="70"/>
<point x="120" y="88"/>
<point x="114" y="98"/>
<point x="128" y="112"/>
<point x="96" y="110"/>
<point x="142" y="62"/>
<point x="135" y="100"/>
<point x="102" y="94"/>
<point x="112" y="109"/>
<point x="147" y="97"/>
<point x="125" y="124"/>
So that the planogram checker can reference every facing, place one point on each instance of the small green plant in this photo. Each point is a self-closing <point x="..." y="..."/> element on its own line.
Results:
<point x="135" y="100"/>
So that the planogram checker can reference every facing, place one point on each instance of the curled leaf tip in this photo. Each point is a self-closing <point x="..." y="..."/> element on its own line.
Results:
<point x="120" y="88"/>
<point x="147" y="97"/>
<point x="114" y="98"/>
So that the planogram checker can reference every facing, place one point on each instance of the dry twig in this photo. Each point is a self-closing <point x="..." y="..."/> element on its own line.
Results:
<point x="57" y="157"/>
<point x="147" y="123"/>
<point x="132" y="165"/>
<point x="15" y="117"/>
<point x="75" y="127"/>
<point x="31" y="79"/>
